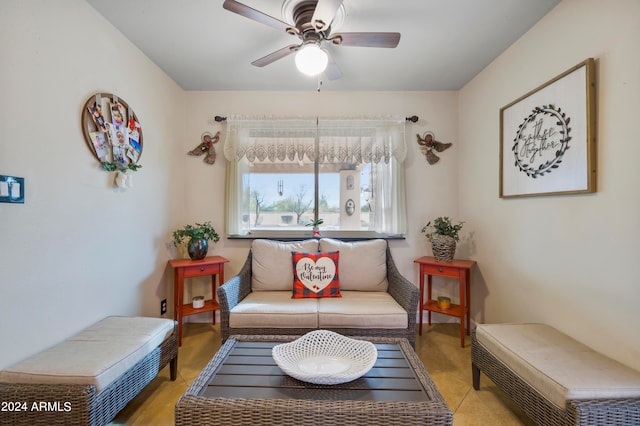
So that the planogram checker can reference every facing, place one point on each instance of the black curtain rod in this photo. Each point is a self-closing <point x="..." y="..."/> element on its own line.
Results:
<point x="413" y="118"/>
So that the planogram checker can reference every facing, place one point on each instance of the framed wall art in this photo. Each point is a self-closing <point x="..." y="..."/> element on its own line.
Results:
<point x="112" y="132"/>
<point x="547" y="137"/>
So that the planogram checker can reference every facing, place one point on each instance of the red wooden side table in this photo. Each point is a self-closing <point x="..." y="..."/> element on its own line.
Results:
<point x="458" y="268"/>
<point x="187" y="268"/>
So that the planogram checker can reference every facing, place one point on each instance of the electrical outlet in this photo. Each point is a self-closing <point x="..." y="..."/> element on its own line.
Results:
<point x="163" y="307"/>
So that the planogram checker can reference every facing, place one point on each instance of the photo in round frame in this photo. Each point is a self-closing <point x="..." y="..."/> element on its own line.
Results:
<point x="112" y="132"/>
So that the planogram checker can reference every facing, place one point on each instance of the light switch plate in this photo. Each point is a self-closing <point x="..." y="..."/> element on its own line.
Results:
<point x="11" y="189"/>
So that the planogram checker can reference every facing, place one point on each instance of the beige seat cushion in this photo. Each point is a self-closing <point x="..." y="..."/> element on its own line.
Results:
<point x="557" y="366"/>
<point x="362" y="264"/>
<point x="271" y="266"/>
<point x="361" y="309"/>
<point x="95" y="356"/>
<point x="274" y="309"/>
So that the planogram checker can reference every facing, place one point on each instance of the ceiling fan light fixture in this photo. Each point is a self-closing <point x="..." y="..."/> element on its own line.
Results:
<point x="311" y="59"/>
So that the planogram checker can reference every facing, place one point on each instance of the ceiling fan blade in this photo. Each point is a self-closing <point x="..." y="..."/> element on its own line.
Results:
<point x="324" y="13"/>
<point x="256" y="15"/>
<point x="366" y="39"/>
<point x="274" y="56"/>
<point x="332" y="71"/>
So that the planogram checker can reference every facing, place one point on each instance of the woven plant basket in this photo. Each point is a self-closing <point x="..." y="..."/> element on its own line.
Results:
<point x="443" y="247"/>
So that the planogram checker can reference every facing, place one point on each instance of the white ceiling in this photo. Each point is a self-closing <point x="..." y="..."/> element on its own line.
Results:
<point x="444" y="43"/>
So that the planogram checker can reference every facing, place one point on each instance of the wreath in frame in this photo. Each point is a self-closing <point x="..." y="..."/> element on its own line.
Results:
<point x="539" y="115"/>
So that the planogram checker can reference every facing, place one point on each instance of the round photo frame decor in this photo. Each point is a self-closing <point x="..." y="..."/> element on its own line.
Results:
<point x="112" y="132"/>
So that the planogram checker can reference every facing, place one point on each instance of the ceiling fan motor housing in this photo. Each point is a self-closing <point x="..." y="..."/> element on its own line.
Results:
<point x="301" y="17"/>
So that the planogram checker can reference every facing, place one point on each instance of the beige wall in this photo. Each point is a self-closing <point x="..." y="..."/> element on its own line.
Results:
<point x="431" y="189"/>
<point x="78" y="249"/>
<point x="570" y="261"/>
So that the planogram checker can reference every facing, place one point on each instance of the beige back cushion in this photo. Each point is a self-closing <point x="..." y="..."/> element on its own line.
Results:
<point x="362" y="265"/>
<point x="271" y="267"/>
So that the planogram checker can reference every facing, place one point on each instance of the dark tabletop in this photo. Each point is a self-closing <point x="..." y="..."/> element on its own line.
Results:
<point x="249" y="371"/>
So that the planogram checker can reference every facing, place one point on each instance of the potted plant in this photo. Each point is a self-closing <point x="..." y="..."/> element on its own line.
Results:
<point x="443" y="236"/>
<point x="198" y="235"/>
<point x="316" y="226"/>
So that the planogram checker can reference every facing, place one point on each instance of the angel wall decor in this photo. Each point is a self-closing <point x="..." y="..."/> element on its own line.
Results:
<point x="428" y="144"/>
<point x="206" y="146"/>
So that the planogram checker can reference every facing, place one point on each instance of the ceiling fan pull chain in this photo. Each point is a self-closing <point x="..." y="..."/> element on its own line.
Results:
<point x="319" y="83"/>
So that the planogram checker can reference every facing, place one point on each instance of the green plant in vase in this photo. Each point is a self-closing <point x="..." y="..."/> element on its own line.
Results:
<point x="315" y="223"/>
<point x="443" y="235"/>
<point x="198" y="235"/>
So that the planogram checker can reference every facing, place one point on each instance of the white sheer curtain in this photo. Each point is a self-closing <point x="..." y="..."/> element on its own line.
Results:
<point x="361" y="140"/>
<point x="389" y="214"/>
<point x="234" y="200"/>
<point x="379" y="141"/>
<point x="270" y="139"/>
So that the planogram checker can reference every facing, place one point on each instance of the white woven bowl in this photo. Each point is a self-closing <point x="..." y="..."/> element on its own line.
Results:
<point x="325" y="358"/>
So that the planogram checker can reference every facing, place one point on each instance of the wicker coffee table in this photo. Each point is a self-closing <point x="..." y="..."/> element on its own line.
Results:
<point x="242" y="385"/>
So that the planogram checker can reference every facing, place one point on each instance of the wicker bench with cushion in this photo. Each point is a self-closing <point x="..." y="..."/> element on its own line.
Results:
<point x="553" y="378"/>
<point x="88" y="378"/>
<point x="376" y="300"/>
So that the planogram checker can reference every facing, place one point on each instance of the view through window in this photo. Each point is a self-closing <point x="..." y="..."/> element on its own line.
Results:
<point x="284" y="173"/>
<point x="286" y="200"/>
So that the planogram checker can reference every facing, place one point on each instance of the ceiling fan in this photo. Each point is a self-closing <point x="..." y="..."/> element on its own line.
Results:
<point x="312" y="21"/>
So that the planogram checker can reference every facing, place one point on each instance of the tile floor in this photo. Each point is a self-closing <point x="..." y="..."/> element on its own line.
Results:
<point x="439" y="349"/>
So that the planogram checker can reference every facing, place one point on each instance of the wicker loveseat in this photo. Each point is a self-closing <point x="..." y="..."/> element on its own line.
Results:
<point x="376" y="299"/>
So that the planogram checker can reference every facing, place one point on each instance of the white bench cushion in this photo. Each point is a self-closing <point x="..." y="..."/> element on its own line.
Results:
<point x="96" y="356"/>
<point x="361" y="309"/>
<point x="557" y="366"/>
<point x="274" y="309"/>
<point x="362" y="264"/>
<point x="271" y="265"/>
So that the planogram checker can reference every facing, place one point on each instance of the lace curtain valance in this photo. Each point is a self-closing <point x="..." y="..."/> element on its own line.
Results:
<point x="369" y="140"/>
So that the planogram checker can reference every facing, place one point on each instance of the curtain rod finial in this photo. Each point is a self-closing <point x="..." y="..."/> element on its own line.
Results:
<point x="219" y="119"/>
<point x="413" y="118"/>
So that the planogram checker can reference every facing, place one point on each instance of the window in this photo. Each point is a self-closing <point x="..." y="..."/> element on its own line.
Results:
<point x="283" y="173"/>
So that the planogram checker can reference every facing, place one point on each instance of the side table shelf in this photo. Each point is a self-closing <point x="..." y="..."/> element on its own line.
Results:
<point x="187" y="268"/>
<point x="458" y="268"/>
<point x="454" y="310"/>
<point x="209" y="305"/>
